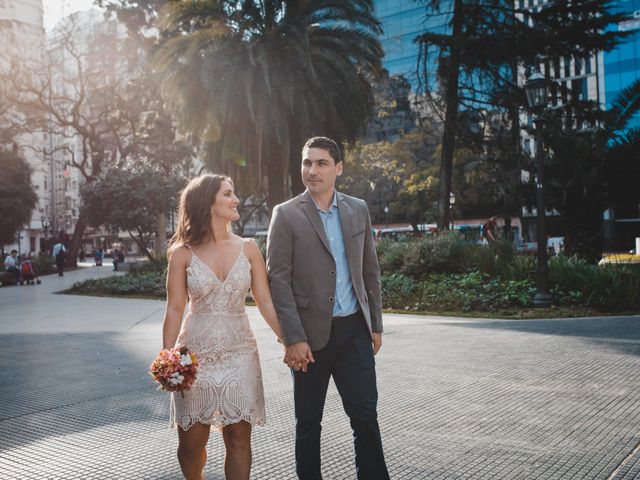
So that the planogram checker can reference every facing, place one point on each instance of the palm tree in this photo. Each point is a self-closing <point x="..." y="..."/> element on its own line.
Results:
<point x="255" y="78"/>
<point x="622" y="174"/>
<point x="594" y="169"/>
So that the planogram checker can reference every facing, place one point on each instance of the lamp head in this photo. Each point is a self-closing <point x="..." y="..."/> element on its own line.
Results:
<point x="537" y="91"/>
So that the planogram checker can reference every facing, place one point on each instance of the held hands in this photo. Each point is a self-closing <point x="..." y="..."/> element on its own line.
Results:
<point x="298" y="355"/>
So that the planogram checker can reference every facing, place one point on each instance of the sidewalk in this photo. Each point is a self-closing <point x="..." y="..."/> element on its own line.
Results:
<point x="459" y="398"/>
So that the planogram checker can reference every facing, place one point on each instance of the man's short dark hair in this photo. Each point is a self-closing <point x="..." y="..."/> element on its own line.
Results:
<point x="14" y="251"/>
<point x="326" y="144"/>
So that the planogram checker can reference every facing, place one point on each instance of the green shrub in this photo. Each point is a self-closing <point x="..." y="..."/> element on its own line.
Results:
<point x="150" y="284"/>
<point x="607" y="287"/>
<point x="44" y="264"/>
<point x="157" y="265"/>
<point x="449" y="292"/>
<point x="442" y="253"/>
<point x="400" y="292"/>
<point x="521" y="267"/>
<point x="446" y="273"/>
<point x="391" y="255"/>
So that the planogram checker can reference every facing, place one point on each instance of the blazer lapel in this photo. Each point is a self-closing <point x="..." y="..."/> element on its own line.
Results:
<point x="346" y="223"/>
<point x="345" y="220"/>
<point x="310" y="210"/>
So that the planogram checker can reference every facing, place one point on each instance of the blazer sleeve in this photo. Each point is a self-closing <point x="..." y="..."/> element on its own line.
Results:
<point x="279" y="269"/>
<point x="371" y="275"/>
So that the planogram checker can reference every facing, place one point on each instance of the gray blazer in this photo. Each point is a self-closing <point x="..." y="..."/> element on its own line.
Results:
<point x="302" y="271"/>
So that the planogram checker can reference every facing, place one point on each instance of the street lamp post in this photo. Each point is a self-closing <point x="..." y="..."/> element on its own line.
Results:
<point x="452" y="203"/>
<point x="537" y="91"/>
<point x="386" y="215"/>
<point x="45" y="228"/>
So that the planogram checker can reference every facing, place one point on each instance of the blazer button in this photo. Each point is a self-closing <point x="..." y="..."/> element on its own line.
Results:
<point x="331" y="299"/>
<point x="332" y="272"/>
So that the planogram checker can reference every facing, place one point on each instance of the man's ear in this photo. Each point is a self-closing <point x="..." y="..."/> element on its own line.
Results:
<point x="339" y="167"/>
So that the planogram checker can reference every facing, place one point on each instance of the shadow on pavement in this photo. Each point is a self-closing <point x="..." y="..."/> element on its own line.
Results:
<point x="622" y="333"/>
<point x="53" y="377"/>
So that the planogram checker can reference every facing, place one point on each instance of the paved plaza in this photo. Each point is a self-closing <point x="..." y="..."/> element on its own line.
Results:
<point x="459" y="398"/>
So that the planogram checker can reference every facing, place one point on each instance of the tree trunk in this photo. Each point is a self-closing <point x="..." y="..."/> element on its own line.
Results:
<point x="294" y="171"/>
<point x="143" y="244"/>
<point x="276" y="177"/>
<point x="76" y="240"/>
<point x="450" y="122"/>
<point x="161" y="236"/>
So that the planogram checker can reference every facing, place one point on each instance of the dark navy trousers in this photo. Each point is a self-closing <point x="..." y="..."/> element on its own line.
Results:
<point x="348" y="357"/>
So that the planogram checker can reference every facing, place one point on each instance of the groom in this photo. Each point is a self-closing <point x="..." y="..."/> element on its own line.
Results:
<point x="325" y="283"/>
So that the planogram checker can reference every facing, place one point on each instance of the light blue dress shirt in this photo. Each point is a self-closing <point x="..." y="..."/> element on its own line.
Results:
<point x="346" y="302"/>
<point x="57" y="248"/>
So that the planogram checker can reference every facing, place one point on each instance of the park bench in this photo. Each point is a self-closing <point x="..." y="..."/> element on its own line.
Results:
<point x="7" y="279"/>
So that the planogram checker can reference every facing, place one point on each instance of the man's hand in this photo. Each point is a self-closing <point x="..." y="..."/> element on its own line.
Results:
<point x="298" y="356"/>
<point x="376" y="339"/>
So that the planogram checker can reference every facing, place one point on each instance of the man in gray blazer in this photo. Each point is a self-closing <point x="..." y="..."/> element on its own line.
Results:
<point x="325" y="283"/>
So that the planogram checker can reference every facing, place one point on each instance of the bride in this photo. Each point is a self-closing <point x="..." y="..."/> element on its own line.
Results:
<point x="210" y="273"/>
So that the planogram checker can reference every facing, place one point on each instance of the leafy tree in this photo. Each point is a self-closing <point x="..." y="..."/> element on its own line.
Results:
<point x="487" y="43"/>
<point x="101" y="98"/>
<point x="392" y="112"/>
<point x="17" y="196"/>
<point x="399" y="174"/>
<point x="592" y="169"/>
<point x="481" y="177"/>
<point x="250" y="205"/>
<point x="255" y="78"/>
<point x="131" y="200"/>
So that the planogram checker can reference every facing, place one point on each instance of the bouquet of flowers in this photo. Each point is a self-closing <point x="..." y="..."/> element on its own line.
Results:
<point x="174" y="369"/>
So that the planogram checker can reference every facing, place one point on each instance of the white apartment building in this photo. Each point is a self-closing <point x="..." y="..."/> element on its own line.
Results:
<point x="67" y="180"/>
<point x="55" y="181"/>
<point x="23" y="33"/>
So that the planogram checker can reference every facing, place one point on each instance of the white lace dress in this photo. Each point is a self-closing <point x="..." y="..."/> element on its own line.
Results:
<point x="228" y="387"/>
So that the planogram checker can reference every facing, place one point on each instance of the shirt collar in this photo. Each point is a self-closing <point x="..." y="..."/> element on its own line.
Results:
<point x="334" y="204"/>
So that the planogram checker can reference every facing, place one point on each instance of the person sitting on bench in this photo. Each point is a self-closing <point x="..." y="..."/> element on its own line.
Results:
<point x="11" y="265"/>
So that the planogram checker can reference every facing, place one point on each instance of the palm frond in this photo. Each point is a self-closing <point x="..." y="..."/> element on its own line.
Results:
<point x="624" y="107"/>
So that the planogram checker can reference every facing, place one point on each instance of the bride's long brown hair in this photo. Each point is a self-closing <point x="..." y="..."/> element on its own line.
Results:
<point x="194" y="210"/>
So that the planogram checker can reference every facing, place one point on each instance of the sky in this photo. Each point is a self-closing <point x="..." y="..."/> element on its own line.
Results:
<point x="54" y="10"/>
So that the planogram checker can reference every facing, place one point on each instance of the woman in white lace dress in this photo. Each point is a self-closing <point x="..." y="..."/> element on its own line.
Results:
<point x="210" y="273"/>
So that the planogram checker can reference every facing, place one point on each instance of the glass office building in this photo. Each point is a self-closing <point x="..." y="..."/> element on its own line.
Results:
<point x="622" y="64"/>
<point x="402" y="21"/>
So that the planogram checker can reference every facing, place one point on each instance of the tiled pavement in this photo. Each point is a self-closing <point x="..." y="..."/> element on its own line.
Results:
<point x="459" y="398"/>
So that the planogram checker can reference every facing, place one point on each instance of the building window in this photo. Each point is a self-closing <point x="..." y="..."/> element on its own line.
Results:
<point x="577" y="66"/>
<point x="587" y="65"/>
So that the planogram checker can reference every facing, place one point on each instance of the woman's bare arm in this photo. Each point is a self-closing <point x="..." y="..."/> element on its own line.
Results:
<point x="177" y="295"/>
<point x="260" y="287"/>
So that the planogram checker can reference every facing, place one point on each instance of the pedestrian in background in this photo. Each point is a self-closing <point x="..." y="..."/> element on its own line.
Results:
<point x="489" y="230"/>
<point x="116" y="259"/>
<point x="59" y="253"/>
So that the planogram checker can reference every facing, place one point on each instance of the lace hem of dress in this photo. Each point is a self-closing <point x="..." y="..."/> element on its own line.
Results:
<point x="217" y="421"/>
